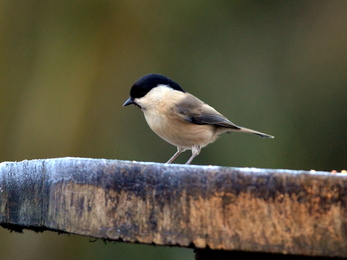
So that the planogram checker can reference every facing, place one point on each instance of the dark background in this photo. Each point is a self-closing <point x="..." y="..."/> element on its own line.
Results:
<point x="66" y="68"/>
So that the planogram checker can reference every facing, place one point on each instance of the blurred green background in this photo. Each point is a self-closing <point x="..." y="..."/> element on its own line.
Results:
<point x="66" y="67"/>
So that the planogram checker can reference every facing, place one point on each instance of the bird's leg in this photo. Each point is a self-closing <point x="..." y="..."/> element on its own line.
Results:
<point x="195" y="152"/>
<point x="179" y="151"/>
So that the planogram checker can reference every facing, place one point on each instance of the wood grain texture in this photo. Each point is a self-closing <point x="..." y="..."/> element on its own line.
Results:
<point x="247" y="209"/>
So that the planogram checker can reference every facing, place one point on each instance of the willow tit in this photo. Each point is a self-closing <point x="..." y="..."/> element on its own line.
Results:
<point x="178" y="117"/>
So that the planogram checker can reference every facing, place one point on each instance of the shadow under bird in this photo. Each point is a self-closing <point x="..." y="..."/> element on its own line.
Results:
<point x="178" y="117"/>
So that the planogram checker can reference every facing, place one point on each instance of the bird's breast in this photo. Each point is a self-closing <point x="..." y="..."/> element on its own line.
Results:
<point x="178" y="132"/>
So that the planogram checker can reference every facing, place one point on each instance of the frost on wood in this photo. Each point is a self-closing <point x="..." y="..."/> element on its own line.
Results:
<point x="259" y="210"/>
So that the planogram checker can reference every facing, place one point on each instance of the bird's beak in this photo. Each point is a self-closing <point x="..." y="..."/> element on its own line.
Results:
<point x="129" y="101"/>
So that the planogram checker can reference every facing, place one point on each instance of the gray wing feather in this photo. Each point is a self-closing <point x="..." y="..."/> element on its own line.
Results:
<point x="194" y="111"/>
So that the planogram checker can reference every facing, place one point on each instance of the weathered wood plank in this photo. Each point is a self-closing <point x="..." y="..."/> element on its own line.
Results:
<point x="258" y="210"/>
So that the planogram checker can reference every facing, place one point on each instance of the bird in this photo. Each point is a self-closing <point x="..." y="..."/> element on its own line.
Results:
<point x="179" y="117"/>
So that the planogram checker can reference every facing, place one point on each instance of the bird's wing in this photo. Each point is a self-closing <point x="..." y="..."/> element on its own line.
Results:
<point x="193" y="110"/>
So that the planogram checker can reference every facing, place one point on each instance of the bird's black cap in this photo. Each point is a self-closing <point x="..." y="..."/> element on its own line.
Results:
<point x="143" y="85"/>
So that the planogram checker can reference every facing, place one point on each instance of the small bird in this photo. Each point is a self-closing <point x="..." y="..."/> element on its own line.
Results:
<point x="178" y="117"/>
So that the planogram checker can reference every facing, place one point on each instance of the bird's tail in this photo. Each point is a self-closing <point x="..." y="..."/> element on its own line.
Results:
<point x="250" y="131"/>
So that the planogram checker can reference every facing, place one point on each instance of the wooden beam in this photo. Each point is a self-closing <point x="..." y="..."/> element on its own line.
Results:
<point x="243" y="209"/>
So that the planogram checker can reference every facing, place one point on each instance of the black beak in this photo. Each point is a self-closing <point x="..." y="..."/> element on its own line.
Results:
<point x="129" y="101"/>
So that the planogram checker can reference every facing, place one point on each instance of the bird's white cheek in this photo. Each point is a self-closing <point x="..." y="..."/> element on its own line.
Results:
<point x="139" y="102"/>
<point x="145" y="103"/>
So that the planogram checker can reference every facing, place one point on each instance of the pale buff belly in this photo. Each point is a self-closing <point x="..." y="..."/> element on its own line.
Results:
<point x="180" y="133"/>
